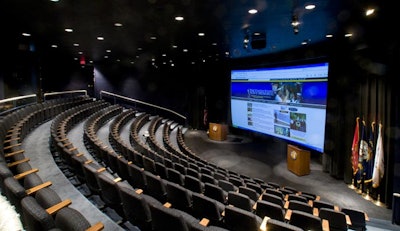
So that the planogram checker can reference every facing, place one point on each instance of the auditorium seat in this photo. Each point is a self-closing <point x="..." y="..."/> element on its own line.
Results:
<point x="137" y="177"/>
<point x="237" y="219"/>
<point x="277" y="225"/>
<point x="206" y="207"/>
<point x="179" y="197"/>
<point x="273" y="199"/>
<point x="193" y="184"/>
<point x="357" y="217"/>
<point x="300" y="206"/>
<point x="215" y="192"/>
<point x="136" y="208"/>
<point x="251" y="193"/>
<point x="336" y="219"/>
<point x="240" y="200"/>
<point x="227" y="186"/>
<point x="175" y="176"/>
<point x="36" y="218"/>
<point x="156" y="187"/>
<point x="265" y="208"/>
<point x="294" y="197"/>
<point x="306" y="221"/>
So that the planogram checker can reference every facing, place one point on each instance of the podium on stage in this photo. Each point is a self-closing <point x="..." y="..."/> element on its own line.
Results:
<point x="298" y="160"/>
<point x="218" y="131"/>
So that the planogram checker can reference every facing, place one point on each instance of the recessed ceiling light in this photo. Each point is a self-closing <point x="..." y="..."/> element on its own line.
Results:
<point x="329" y="36"/>
<point x="153" y="37"/>
<point x="108" y="51"/>
<point x="185" y="50"/>
<point x="369" y="12"/>
<point x="252" y="11"/>
<point x="348" y="35"/>
<point x="178" y="18"/>
<point x="201" y="34"/>
<point x="118" y="24"/>
<point x="69" y="30"/>
<point x="26" y="34"/>
<point x="76" y="44"/>
<point x="100" y="38"/>
<point x="54" y="46"/>
<point x="309" y="7"/>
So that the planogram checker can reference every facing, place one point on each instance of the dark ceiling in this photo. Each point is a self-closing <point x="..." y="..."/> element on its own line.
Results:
<point x="225" y="25"/>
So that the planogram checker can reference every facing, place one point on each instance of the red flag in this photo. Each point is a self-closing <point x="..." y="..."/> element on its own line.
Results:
<point x="354" y="148"/>
<point x="379" y="164"/>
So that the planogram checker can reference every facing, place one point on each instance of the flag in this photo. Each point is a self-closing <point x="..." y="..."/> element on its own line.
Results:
<point x="362" y="156"/>
<point x="354" y="148"/>
<point x="379" y="165"/>
<point x="369" y="161"/>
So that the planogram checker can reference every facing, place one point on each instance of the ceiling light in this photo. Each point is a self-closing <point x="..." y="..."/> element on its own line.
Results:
<point x="69" y="30"/>
<point x="178" y="18"/>
<point x="54" y="46"/>
<point x="252" y="11"/>
<point x="348" y="35"/>
<point x="369" y="12"/>
<point x="329" y="36"/>
<point x="76" y="44"/>
<point x="118" y="24"/>
<point x="100" y="38"/>
<point x="26" y="34"/>
<point x="201" y="34"/>
<point x="309" y="7"/>
<point x="153" y="37"/>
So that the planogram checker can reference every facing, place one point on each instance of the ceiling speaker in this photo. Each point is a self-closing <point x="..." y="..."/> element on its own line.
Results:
<point x="258" y="40"/>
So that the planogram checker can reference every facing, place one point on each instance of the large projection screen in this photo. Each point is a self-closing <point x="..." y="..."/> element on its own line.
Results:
<point x="288" y="102"/>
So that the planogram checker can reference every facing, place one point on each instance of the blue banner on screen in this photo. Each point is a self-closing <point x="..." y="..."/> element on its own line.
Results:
<point x="287" y="102"/>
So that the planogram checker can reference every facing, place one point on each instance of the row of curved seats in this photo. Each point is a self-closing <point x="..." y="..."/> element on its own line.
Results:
<point x="39" y="205"/>
<point x="149" y="172"/>
<point x="337" y="218"/>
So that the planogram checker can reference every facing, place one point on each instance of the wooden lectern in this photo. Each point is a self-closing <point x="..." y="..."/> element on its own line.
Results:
<point x="298" y="160"/>
<point x="217" y="131"/>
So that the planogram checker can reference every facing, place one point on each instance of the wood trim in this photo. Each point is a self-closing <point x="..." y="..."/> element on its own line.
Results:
<point x="38" y="187"/>
<point x="12" y="164"/>
<point x="14" y="153"/>
<point x="101" y="169"/>
<point x="204" y="222"/>
<point x="96" y="227"/>
<point x="325" y="225"/>
<point x="12" y="146"/>
<point x="55" y="208"/>
<point x="23" y="174"/>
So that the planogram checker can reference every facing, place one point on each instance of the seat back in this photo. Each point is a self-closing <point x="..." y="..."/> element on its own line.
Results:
<point x="136" y="207"/>
<point x="34" y="217"/>
<point x="194" y="184"/>
<point x="300" y="206"/>
<point x="277" y="225"/>
<point x="227" y="186"/>
<point x="215" y="192"/>
<point x="167" y="219"/>
<point x="251" y="193"/>
<point x="205" y="207"/>
<point x="156" y="187"/>
<point x="237" y="219"/>
<point x="305" y="221"/>
<point x="265" y="208"/>
<point x="240" y="200"/>
<point x="179" y="197"/>
<point x="273" y="199"/>
<point x="357" y="217"/>
<point x="336" y="219"/>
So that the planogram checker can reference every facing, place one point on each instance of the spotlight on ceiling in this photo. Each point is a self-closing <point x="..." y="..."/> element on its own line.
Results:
<point x="295" y="23"/>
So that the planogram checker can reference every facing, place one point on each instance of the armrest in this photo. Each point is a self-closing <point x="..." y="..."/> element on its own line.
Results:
<point x="204" y="222"/>
<point x="38" y="187"/>
<point x="14" y="153"/>
<point x="96" y="227"/>
<point x="325" y="225"/>
<point x="55" y="208"/>
<point x="23" y="174"/>
<point x="263" y="226"/>
<point x="12" y="164"/>
<point x="12" y="146"/>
